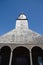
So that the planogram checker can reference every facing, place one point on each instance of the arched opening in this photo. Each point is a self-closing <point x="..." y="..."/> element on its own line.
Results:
<point x="37" y="55"/>
<point x="5" y="55"/>
<point x="21" y="56"/>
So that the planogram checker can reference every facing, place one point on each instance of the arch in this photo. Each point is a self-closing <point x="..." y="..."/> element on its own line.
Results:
<point x="37" y="55"/>
<point x="21" y="56"/>
<point x="5" y="55"/>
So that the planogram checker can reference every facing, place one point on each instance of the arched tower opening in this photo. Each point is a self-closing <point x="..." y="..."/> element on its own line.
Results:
<point x="5" y="55"/>
<point x="21" y="56"/>
<point x="37" y="55"/>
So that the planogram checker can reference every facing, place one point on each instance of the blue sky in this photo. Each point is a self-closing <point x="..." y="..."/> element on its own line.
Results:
<point x="10" y="9"/>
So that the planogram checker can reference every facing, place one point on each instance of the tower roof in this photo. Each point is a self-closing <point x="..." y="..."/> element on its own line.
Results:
<point x="22" y="16"/>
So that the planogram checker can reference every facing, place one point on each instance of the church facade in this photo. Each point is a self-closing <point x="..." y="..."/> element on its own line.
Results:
<point x="21" y="46"/>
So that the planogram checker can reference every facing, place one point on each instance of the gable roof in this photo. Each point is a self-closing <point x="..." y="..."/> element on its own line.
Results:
<point x="24" y="36"/>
